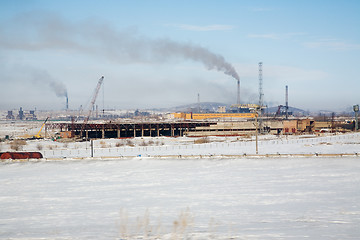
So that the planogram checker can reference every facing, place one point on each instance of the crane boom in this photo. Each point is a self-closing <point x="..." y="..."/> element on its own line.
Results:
<point x="93" y="100"/>
<point x="38" y="135"/>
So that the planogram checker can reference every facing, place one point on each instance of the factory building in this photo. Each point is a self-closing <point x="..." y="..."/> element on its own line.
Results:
<point x="126" y="130"/>
<point x="201" y="116"/>
<point x="22" y="115"/>
<point x="10" y="116"/>
<point x="236" y="128"/>
<point x="195" y="128"/>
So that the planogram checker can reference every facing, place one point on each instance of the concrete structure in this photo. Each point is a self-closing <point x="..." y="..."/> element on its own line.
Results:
<point x="305" y="125"/>
<point x="126" y="130"/>
<point x="201" y="116"/>
<point x="21" y="114"/>
<point x="236" y="128"/>
<point x="290" y="126"/>
<point x="10" y="116"/>
<point x="194" y="128"/>
<point x="30" y="116"/>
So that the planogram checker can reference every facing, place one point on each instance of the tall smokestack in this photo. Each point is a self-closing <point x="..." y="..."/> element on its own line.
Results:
<point x="238" y="93"/>
<point x="67" y="102"/>
<point x="199" y="110"/>
<point x="286" y="102"/>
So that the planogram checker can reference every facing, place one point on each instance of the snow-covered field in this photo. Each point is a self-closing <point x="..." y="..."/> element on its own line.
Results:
<point x="187" y="147"/>
<point x="182" y="146"/>
<point x="239" y="198"/>
<point x="174" y="188"/>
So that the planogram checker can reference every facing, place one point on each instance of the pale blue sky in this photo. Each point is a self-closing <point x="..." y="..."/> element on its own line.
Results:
<point x="311" y="46"/>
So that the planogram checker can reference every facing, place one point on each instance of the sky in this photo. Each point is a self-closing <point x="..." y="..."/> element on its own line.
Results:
<point x="160" y="53"/>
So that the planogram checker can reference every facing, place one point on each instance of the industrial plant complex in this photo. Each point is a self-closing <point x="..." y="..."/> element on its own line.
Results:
<point x="195" y="121"/>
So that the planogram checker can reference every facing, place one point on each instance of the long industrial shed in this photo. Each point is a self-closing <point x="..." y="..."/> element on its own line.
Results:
<point x="127" y="130"/>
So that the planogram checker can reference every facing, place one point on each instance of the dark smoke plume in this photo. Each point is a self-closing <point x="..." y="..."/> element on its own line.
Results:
<point x="53" y="32"/>
<point x="44" y="77"/>
<point x="193" y="52"/>
<point x="59" y="88"/>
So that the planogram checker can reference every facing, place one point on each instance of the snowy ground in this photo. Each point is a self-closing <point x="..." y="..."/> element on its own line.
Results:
<point x="268" y="198"/>
<point x="186" y="147"/>
<point x="172" y="188"/>
<point x="182" y="146"/>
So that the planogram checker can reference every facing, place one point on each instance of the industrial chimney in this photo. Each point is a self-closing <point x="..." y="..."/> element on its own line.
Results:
<point x="199" y="107"/>
<point x="238" y="93"/>
<point x="67" y="102"/>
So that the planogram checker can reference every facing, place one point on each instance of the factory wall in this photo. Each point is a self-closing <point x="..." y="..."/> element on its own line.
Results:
<point x="201" y="116"/>
<point x="235" y="129"/>
<point x="290" y="126"/>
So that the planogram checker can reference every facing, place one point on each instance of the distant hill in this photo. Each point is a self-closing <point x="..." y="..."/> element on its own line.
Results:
<point x="204" y="106"/>
<point x="273" y="110"/>
<point x="213" y="107"/>
<point x="193" y="107"/>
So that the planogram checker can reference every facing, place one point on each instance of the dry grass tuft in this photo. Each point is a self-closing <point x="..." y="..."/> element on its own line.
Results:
<point x="17" y="145"/>
<point x="143" y="228"/>
<point x="39" y="146"/>
<point x="130" y="143"/>
<point x="143" y="144"/>
<point x="52" y="147"/>
<point x="103" y="144"/>
<point x="182" y="224"/>
<point x="202" y="140"/>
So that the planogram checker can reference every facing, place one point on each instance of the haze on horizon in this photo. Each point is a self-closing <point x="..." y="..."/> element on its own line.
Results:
<point x="163" y="53"/>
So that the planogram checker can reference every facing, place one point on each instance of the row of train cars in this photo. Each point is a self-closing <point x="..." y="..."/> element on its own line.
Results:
<point x="20" y="155"/>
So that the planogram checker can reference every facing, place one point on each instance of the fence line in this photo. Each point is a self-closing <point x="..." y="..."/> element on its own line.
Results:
<point x="127" y="150"/>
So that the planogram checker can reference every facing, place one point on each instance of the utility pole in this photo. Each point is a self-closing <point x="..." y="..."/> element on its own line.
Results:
<point x="261" y="96"/>
<point x="92" y="147"/>
<point x="332" y="122"/>
<point x="256" y="134"/>
<point x="356" y="110"/>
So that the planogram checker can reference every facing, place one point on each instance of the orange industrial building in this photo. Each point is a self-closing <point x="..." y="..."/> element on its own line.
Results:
<point x="202" y="116"/>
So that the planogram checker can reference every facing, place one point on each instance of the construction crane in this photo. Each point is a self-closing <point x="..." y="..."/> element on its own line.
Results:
<point x="38" y="136"/>
<point x="93" y="100"/>
<point x="279" y="111"/>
